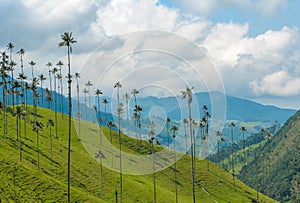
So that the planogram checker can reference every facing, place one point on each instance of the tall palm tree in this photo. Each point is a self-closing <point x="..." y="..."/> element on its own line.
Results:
<point x="10" y="48"/>
<point x="134" y="92"/>
<point x="185" y="121"/>
<point x="19" y="112"/>
<point x="137" y="116"/>
<point x="262" y="132"/>
<point x="31" y="63"/>
<point x="174" y="129"/>
<point x="119" y="111"/>
<point x="89" y="85"/>
<point x="168" y="136"/>
<point x="206" y="116"/>
<point x="85" y="91"/>
<point x="36" y="127"/>
<point x="243" y="129"/>
<point x="48" y="97"/>
<point x="151" y="135"/>
<point x="42" y="79"/>
<point x="232" y="125"/>
<point x="21" y="53"/>
<point x="268" y="136"/>
<point x="68" y="40"/>
<point x="219" y="137"/>
<point x="105" y="102"/>
<point x="77" y="76"/>
<point x="49" y="65"/>
<point x="98" y="93"/>
<point x="54" y="71"/>
<point x="187" y="93"/>
<point x="50" y="124"/>
<point x="60" y="78"/>
<point x="110" y="124"/>
<point x="3" y="73"/>
<point x="127" y="97"/>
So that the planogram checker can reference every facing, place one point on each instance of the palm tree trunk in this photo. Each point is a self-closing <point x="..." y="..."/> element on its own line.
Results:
<point x="219" y="161"/>
<point x="175" y="173"/>
<point x="232" y="158"/>
<point x="244" y="160"/>
<point x="55" y="107"/>
<point x="153" y="167"/>
<point x="111" y="149"/>
<point x="50" y="141"/>
<point x="192" y="154"/>
<point x="69" y="125"/>
<point x="38" y="148"/>
<point x="61" y="96"/>
<point x="78" y="106"/>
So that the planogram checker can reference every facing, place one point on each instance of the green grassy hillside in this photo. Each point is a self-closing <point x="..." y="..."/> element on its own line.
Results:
<point x="278" y="168"/>
<point x="22" y="182"/>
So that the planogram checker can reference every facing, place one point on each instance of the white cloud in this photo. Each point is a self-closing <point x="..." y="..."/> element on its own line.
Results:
<point x="279" y="84"/>
<point x="120" y="16"/>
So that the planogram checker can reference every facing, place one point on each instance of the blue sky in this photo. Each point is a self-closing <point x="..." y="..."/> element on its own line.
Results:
<point x="254" y="44"/>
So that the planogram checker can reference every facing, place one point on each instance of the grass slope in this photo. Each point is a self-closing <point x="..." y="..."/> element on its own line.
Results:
<point x="22" y="182"/>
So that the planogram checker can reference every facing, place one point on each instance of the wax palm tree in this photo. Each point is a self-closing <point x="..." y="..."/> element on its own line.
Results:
<point x="118" y="85"/>
<point x="32" y="64"/>
<point x="151" y="136"/>
<point x="119" y="112"/>
<point x="134" y="92"/>
<point x="268" y="136"/>
<point x="168" y="136"/>
<point x="77" y="76"/>
<point x="89" y="85"/>
<point x="36" y="127"/>
<point x="85" y="91"/>
<point x="174" y="129"/>
<point x="68" y="40"/>
<point x="42" y="79"/>
<point x="232" y="125"/>
<point x="10" y="48"/>
<point x="243" y="129"/>
<point x="54" y="71"/>
<point x="262" y="132"/>
<point x="3" y="73"/>
<point x="187" y="93"/>
<point x="127" y="97"/>
<point x="19" y="112"/>
<point x="137" y="116"/>
<point x="101" y="156"/>
<point x="185" y="122"/>
<point x="206" y="117"/>
<point x="50" y="124"/>
<point x="48" y="97"/>
<point x="105" y="102"/>
<point x="98" y="93"/>
<point x="15" y="87"/>
<point x="110" y="125"/>
<point x="60" y="78"/>
<point x="35" y="94"/>
<point x="219" y="137"/>
<point x="49" y="65"/>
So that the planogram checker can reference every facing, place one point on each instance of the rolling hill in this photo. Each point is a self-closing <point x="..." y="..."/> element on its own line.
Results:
<point x="23" y="182"/>
<point x="278" y="168"/>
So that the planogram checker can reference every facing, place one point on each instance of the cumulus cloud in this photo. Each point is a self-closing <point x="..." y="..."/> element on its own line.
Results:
<point x="247" y="64"/>
<point x="279" y="83"/>
<point x="120" y="17"/>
